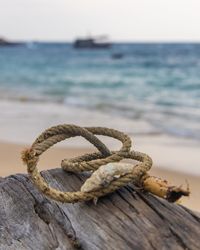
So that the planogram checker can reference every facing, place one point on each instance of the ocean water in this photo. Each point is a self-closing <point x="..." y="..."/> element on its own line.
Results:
<point x="155" y="83"/>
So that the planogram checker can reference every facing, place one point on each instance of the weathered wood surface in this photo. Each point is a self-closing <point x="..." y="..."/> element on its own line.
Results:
<point x="126" y="219"/>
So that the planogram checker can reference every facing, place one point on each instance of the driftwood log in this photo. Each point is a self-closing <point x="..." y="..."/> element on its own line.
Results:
<point x="126" y="219"/>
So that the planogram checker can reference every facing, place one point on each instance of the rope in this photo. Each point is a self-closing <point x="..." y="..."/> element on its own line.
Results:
<point x="87" y="162"/>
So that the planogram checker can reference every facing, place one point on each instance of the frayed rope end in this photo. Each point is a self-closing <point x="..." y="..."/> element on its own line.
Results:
<point x="27" y="155"/>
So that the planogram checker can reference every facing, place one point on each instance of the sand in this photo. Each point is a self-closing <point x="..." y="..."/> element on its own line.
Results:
<point x="10" y="163"/>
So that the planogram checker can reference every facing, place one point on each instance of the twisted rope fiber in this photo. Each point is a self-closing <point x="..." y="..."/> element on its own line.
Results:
<point x="85" y="162"/>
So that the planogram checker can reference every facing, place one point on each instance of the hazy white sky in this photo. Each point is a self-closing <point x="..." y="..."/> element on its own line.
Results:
<point x="122" y="20"/>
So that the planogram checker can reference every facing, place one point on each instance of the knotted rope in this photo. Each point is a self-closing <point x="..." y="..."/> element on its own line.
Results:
<point x="85" y="162"/>
<point x="89" y="162"/>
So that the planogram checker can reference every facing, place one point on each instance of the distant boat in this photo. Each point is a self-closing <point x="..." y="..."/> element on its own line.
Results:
<point x="117" y="55"/>
<point x="100" y="42"/>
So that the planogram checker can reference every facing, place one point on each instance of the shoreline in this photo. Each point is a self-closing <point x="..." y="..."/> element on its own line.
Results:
<point x="22" y="122"/>
<point x="52" y="158"/>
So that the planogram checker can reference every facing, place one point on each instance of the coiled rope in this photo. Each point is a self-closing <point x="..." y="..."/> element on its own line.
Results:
<point x="87" y="162"/>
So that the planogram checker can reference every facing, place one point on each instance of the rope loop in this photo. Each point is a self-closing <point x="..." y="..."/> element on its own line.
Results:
<point x="87" y="162"/>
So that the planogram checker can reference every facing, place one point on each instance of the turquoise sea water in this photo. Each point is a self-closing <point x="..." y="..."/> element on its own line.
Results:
<point x="158" y="83"/>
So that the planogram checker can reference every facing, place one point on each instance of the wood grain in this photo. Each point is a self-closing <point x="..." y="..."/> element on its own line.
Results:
<point x="126" y="219"/>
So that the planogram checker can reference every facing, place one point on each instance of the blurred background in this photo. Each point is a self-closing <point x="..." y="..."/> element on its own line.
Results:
<point x="130" y="65"/>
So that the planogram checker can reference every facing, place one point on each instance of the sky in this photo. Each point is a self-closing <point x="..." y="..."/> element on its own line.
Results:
<point x="122" y="20"/>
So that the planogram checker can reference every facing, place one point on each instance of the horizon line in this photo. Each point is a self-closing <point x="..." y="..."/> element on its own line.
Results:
<point x="111" y="41"/>
<point x="39" y="40"/>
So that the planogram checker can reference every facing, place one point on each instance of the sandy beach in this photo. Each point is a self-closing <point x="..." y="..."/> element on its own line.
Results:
<point x="11" y="164"/>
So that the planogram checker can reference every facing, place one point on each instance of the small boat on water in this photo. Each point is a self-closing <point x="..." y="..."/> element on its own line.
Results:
<point x="117" y="55"/>
<point x="100" y="42"/>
